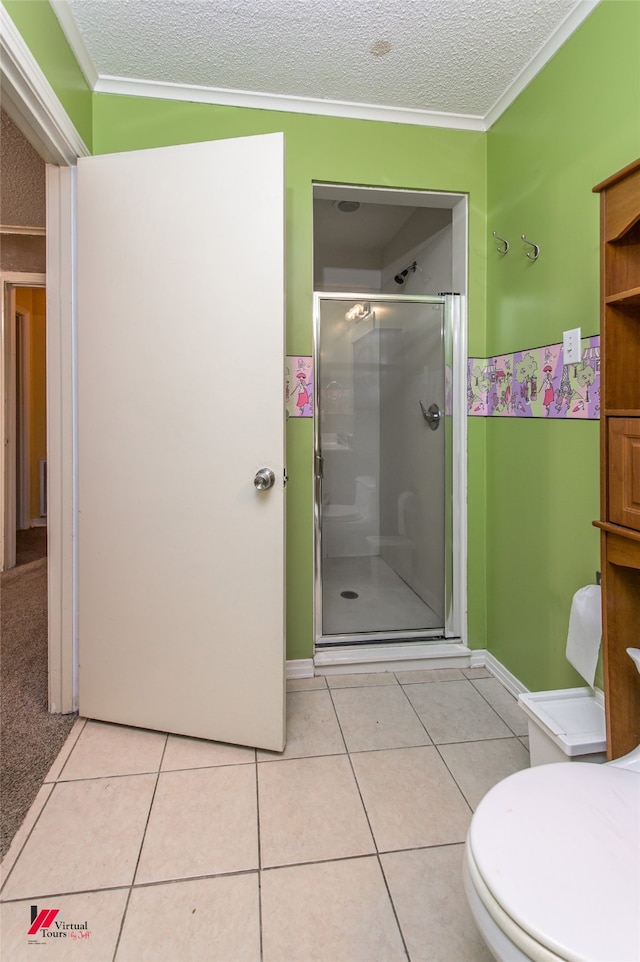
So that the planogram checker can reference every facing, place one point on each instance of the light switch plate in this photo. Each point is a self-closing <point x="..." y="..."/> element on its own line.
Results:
<point x="571" y="345"/>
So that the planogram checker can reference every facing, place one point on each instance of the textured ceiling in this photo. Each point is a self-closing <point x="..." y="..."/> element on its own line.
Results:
<point x="452" y="56"/>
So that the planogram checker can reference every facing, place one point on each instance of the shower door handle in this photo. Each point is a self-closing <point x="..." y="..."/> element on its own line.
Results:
<point x="431" y="415"/>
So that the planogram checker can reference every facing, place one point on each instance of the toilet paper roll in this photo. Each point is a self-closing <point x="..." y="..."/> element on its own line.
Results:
<point x="585" y="631"/>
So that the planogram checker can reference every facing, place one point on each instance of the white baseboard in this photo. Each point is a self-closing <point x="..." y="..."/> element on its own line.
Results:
<point x="478" y="657"/>
<point x="409" y="657"/>
<point x="504" y="676"/>
<point x="299" y="668"/>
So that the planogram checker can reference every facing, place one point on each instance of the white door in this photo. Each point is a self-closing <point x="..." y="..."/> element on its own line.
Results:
<point x="180" y="388"/>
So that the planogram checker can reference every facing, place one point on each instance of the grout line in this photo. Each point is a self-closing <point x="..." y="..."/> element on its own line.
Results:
<point x="144" y="834"/>
<point x="259" y="859"/>
<point x="393" y="906"/>
<point x="355" y="778"/>
<point x="28" y="834"/>
<point x="415" y="711"/>
<point x="503" y="720"/>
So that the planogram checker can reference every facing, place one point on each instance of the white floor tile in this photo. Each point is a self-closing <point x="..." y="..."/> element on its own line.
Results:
<point x="454" y="711"/>
<point x="374" y="718"/>
<point x="478" y="766"/>
<point x="216" y="919"/>
<point x="194" y="830"/>
<point x="504" y="703"/>
<point x="202" y="822"/>
<point x="424" y="675"/>
<point x="310" y="810"/>
<point x="87" y="837"/>
<point x="312" y="727"/>
<point x="329" y="912"/>
<point x="183" y="752"/>
<point x="103" y="750"/>
<point x="426" y="888"/>
<point x="410" y="798"/>
<point x="364" y="679"/>
<point x="306" y="684"/>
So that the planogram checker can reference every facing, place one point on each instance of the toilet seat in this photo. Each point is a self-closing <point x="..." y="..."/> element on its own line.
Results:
<point x="553" y="852"/>
<point x="506" y="939"/>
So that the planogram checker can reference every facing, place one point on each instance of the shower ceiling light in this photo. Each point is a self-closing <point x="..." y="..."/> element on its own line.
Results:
<point x="358" y="312"/>
<point x="346" y="206"/>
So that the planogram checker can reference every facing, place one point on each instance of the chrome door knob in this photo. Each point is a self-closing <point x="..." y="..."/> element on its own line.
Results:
<point x="264" y="479"/>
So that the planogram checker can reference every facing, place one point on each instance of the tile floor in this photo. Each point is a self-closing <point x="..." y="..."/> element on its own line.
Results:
<point x="346" y="847"/>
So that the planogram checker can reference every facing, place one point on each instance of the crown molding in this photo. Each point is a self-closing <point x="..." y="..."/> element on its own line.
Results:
<point x="562" y="33"/>
<point x="127" y="87"/>
<point x="69" y="27"/>
<point x="31" y="102"/>
<point x="132" y="87"/>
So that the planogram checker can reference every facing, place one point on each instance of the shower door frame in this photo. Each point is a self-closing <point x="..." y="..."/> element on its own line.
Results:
<point x="455" y="560"/>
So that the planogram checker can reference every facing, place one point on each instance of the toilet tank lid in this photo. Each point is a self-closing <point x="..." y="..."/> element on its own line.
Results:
<point x="558" y="847"/>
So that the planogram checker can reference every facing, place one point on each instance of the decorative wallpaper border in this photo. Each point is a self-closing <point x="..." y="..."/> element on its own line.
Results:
<point x="536" y="383"/>
<point x="298" y="386"/>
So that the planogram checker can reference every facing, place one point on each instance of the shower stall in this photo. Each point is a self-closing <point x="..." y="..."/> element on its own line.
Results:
<point x="384" y="438"/>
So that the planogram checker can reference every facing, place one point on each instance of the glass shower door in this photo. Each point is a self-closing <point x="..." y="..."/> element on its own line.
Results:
<point x="380" y="455"/>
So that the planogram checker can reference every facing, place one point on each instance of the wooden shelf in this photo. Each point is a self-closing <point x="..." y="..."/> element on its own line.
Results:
<point x="620" y="407"/>
<point x="618" y="530"/>
<point x="631" y="296"/>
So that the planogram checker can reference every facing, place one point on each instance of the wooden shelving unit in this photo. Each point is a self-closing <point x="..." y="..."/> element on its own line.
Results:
<point x="620" y="452"/>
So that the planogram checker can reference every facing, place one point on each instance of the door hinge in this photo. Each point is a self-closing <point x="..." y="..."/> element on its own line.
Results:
<point x="285" y="478"/>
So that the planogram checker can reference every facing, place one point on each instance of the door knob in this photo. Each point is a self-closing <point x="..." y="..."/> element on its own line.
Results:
<point x="264" y="479"/>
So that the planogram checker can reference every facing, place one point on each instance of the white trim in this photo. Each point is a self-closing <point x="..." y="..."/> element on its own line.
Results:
<point x="31" y="102"/>
<point x="457" y="618"/>
<point x="504" y="676"/>
<point x="561" y="34"/>
<point x="23" y="420"/>
<point x="8" y="495"/>
<point x="396" y="657"/>
<point x="36" y="110"/>
<point x="478" y="658"/>
<point x="70" y="29"/>
<point x="8" y="426"/>
<point x="155" y="89"/>
<point x="61" y="439"/>
<point x="299" y="668"/>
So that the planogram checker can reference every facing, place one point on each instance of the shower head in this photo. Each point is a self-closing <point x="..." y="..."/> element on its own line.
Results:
<point x="399" y="278"/>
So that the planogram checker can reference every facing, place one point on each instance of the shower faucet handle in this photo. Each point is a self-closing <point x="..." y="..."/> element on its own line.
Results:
<point x="431" y="415"/>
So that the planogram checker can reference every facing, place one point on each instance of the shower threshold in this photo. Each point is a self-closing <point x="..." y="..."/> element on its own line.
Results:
<point x="394" y="656"/>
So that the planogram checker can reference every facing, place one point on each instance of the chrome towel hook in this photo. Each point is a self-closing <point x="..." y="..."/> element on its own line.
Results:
<point x="536" y="249"/>
<point x="501" y="250"/>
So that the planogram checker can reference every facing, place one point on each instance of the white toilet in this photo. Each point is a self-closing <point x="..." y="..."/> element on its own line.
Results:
<point x="552" y="866"/>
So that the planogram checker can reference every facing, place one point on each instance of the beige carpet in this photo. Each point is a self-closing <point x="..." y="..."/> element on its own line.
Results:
<point x="30" y="737"/>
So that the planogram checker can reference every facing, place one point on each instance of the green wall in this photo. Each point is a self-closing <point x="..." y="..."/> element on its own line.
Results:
<point x="340" y="151"/>
<point x="43" y="35"/>
<point x="575" y="124"/>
